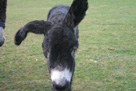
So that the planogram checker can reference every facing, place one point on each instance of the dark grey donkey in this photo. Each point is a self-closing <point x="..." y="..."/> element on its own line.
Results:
<point x="60" y="41"/>
<point x="3" y="5"/>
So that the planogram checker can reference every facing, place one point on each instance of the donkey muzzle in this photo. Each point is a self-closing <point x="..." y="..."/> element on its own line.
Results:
<point x="61" y="79"/>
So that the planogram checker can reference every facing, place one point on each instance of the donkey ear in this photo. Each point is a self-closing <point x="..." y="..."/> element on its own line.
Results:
<point x="37" y="27"/>
<point x="76" y="12"/>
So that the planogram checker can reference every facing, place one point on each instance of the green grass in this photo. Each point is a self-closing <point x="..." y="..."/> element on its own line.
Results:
<point x="105" y="60"/>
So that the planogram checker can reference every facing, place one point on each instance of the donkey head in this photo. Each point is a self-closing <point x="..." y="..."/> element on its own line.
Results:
<point x="59" y="47"/>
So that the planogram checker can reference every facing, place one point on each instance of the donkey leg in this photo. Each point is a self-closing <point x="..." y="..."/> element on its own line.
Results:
<point x="2" y="39"/>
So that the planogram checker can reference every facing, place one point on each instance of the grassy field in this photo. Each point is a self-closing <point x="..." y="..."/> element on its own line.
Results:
<point x="105" y="60"/>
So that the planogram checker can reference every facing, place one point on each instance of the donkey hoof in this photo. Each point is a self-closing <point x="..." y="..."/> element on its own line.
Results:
<point x="2" y="41"/>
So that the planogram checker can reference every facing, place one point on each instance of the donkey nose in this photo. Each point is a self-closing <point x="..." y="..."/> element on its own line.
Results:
<point x="60" y="87"/>
<point x="61" y="78"/>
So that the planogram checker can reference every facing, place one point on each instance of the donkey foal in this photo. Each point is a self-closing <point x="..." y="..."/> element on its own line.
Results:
<point x="60" y="41"/>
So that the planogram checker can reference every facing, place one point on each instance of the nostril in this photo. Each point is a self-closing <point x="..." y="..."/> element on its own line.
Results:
<point x="60" y="87"/>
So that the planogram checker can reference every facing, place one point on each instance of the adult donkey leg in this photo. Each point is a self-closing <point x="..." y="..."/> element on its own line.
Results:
<point x="2" y="39"/>
<point x="3" y="5"/>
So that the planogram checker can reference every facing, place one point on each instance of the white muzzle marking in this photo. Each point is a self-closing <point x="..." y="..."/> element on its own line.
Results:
<point x="61" y="77"/>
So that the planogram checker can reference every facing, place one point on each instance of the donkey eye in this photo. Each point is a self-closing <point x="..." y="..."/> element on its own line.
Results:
<point x="47" y="50"/>
<point x="73" y="52"/>
<point x="73" y="49"/>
